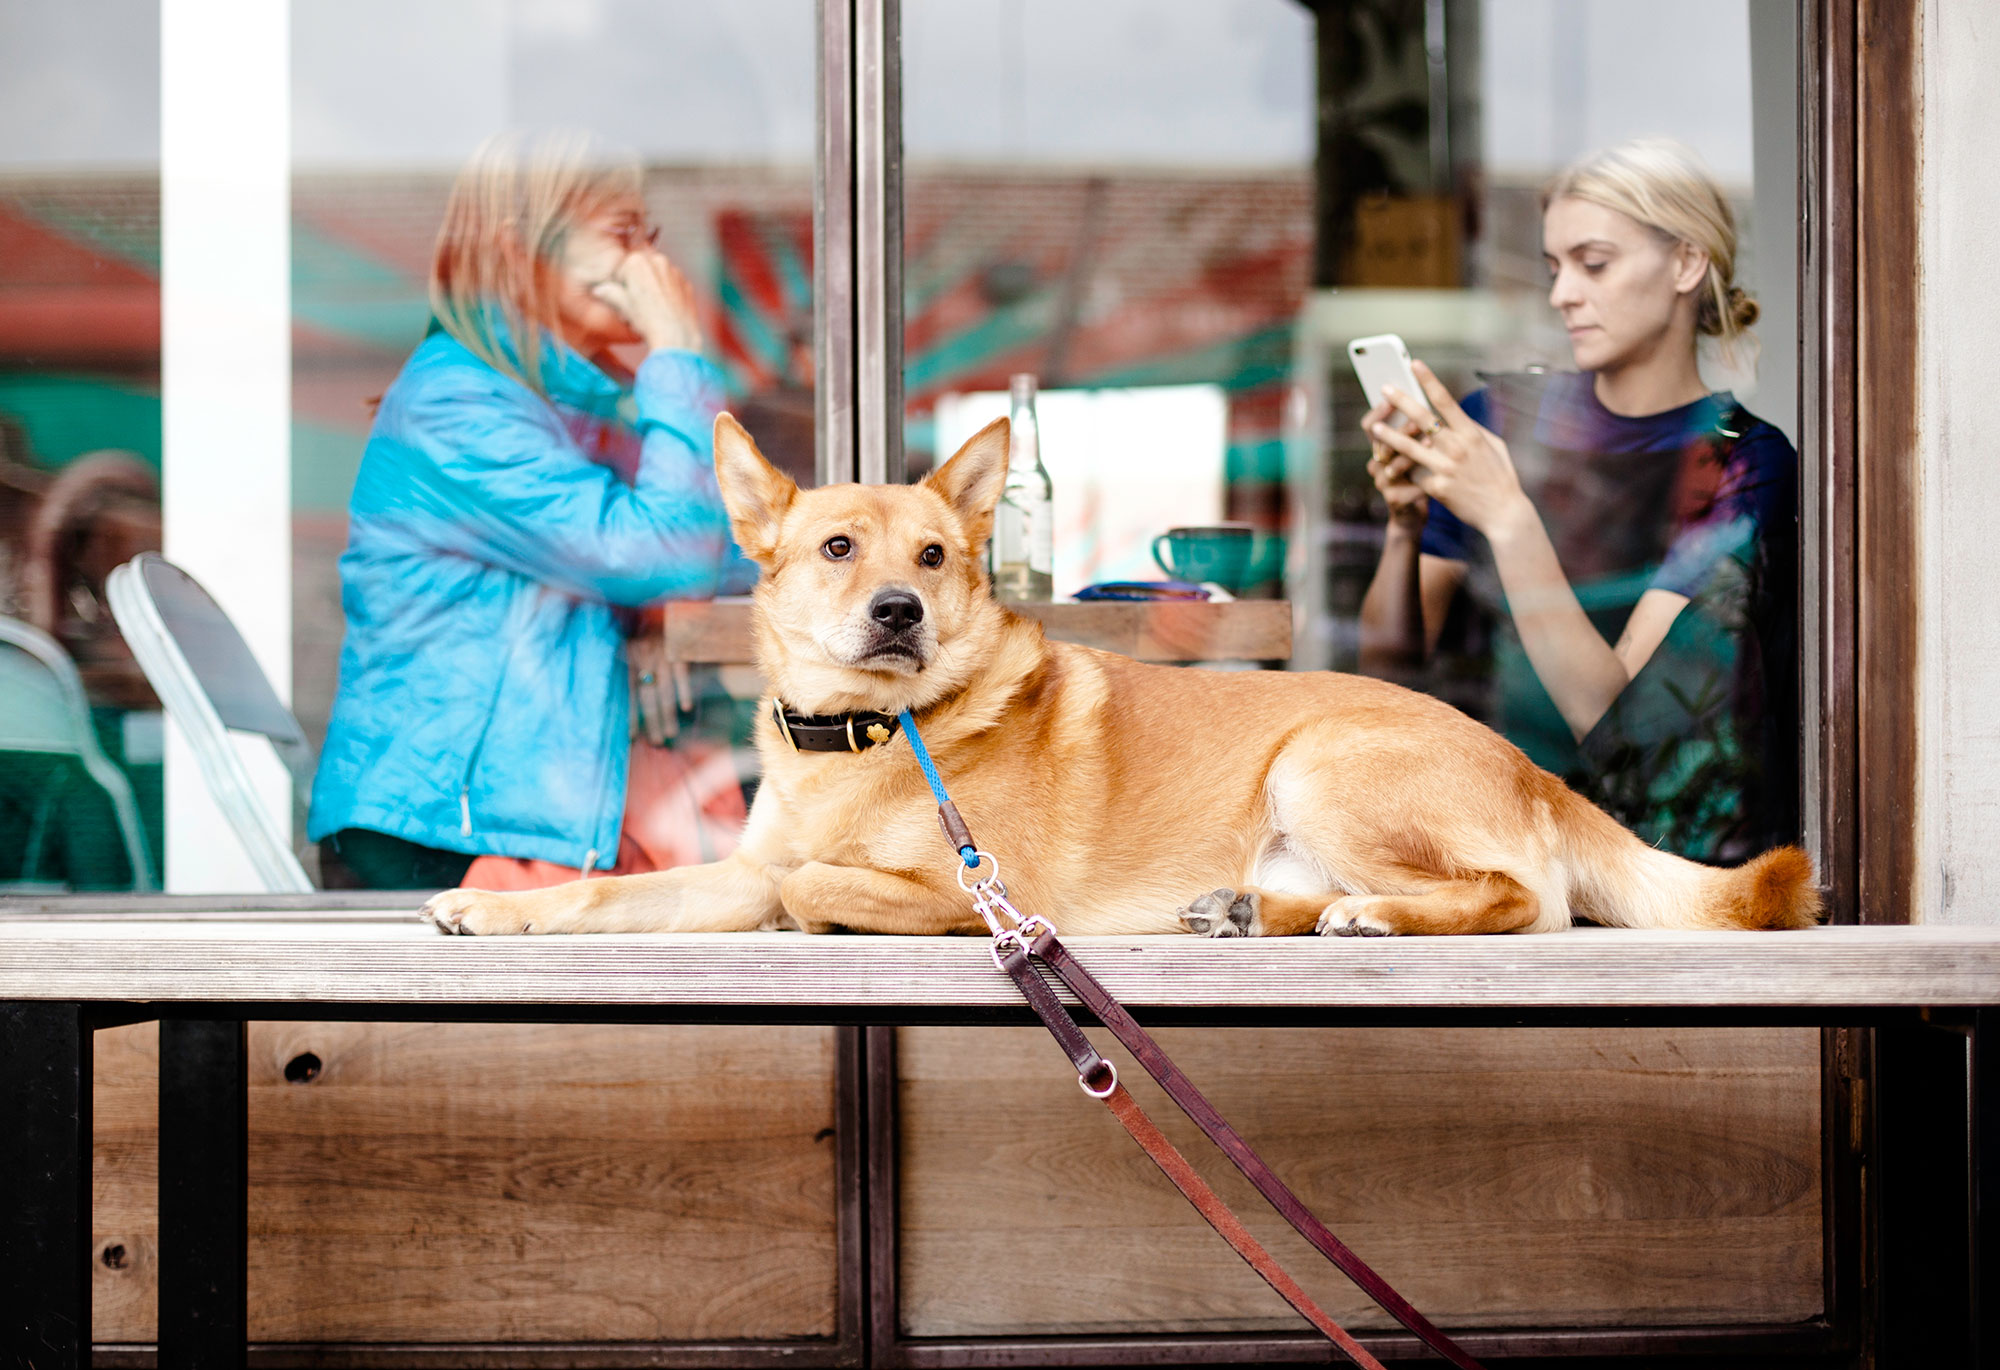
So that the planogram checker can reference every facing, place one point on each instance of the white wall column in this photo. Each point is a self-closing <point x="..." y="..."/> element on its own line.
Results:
<point x="1958" y="432"/>
<point x="225" y="371"/>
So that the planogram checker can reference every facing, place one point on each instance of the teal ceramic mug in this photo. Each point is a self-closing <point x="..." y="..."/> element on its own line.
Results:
<point x="1221" y="553"/>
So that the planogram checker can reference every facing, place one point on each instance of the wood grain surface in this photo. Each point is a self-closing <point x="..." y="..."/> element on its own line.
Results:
<point x="1239" y="630"/>
<point x="502" y="1183"/>
<point x="1890" y="472"/>
<point x="1558" y="1177"/>
<point x="405" y="962"/>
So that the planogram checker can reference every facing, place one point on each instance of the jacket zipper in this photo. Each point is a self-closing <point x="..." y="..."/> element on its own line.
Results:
<point x="604" y="745"/>
<point x="472" y="761"/>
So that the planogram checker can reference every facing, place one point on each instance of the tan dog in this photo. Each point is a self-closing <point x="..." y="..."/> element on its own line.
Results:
<point x="1115" y="795"/>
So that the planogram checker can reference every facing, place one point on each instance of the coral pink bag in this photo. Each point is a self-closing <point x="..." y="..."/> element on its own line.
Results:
<point x="683" y="807"/>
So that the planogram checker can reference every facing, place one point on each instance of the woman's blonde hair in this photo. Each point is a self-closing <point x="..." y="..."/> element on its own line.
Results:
<point x="1663" y="185"/>
<point x="510" y="209"/>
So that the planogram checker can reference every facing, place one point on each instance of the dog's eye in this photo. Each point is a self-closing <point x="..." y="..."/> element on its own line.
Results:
<point x="932" y="555"/>
<point x="837" y="549"/>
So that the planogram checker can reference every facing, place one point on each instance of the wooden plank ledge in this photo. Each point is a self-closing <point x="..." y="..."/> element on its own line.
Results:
<point x="389" y="958"/>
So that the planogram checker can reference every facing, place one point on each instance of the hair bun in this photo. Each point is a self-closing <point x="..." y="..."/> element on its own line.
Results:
<point x="1743" y="310"/>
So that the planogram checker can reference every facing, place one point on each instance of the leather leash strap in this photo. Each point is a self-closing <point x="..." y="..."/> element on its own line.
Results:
<point x="1230" y="1142"/>
<point x="1033" y="936"/>
<point x="1092" y="1070"/>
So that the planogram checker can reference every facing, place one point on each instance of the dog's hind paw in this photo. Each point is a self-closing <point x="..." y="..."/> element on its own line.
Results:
<point x="1222" y="913"/>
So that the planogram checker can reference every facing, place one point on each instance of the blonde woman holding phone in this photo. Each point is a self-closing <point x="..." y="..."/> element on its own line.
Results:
<point x="1626" y="536"/>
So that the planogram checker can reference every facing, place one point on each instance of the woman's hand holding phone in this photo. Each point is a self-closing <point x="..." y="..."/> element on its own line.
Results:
<point x="1452" y="458"/>
<point x="1391" y="471"/>
<point x="655" y="297"/>
<point x="1381" y="363"/>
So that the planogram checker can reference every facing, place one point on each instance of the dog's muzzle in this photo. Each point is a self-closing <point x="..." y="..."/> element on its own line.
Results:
<point x="896" y="611"/>
<point x="896" y="625"/>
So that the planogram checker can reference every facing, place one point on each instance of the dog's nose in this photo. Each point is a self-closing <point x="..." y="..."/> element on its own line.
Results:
<point x="896" y="610"/>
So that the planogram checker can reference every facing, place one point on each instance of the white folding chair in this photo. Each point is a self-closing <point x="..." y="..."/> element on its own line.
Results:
<point x="211" y="685"/>
<point x="43" y="709"/>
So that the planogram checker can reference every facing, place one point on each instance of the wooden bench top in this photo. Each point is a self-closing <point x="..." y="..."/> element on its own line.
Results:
<point x="388" y="958"/>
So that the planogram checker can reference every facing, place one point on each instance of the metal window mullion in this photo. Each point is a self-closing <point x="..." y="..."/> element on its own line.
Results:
<point x="878" y="241"/>
<point x="833" y="245"/>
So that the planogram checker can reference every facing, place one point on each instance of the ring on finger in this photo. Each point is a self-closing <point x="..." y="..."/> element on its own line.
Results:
<point x="1435" y="427"/>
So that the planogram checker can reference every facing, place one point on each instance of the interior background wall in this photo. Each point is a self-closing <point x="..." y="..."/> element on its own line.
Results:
<point x="1959" y="429"/>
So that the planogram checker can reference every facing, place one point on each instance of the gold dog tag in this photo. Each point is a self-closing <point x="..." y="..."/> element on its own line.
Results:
<point x="877" y="733"/>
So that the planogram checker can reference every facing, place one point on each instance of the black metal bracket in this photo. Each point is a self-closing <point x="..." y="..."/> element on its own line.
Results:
<point x="204" y="1194"/>
<point x="45" y="1256"/>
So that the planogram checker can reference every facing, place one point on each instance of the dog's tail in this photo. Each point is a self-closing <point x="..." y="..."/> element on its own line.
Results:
<point x="1616" y="879"/>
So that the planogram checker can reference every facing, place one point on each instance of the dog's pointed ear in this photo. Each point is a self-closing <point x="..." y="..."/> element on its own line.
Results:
<point x="755" y="493"/>
<point x="972" y="480"/>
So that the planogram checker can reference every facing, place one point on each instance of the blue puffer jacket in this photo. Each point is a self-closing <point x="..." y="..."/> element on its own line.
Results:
<point x="483" y="697"/>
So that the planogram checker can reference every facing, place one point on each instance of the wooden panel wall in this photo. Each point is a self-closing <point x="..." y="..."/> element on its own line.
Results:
<point x="1560" y="1177"/>
<point x="502" y="1183"/>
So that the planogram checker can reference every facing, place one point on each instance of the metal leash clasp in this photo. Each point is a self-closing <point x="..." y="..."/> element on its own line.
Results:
<point x="990" y="902"/>
<point x="1009" y="926"/>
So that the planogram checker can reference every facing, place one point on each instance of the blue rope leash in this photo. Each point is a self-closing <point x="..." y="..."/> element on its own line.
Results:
<point x="966" y="852"/>
<point x="923" y="757"/>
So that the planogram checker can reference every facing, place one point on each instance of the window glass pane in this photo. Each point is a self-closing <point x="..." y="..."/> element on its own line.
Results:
<point x="80" y="731"/>
<point x="508" y="553"/>
<point x="526" y="526"/>
<point x="1176" y="218"/>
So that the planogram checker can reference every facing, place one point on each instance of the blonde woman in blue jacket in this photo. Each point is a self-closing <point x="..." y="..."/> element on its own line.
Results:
<point x="517" y="489"/>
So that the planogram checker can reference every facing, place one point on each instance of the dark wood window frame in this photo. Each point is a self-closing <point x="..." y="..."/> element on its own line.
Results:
<point x="1861" y="89"/>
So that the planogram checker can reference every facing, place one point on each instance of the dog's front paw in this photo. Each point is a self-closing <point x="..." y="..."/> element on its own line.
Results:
<point x="1222" y="913"/>
<point x="476" y="913"/>
<point x="1352" y="917"/>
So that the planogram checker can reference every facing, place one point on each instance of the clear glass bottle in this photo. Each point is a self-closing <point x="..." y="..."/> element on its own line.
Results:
<point x="1023" y="547"/>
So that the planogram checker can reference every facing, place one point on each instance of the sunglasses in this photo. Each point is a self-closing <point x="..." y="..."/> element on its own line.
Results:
<point x="632" y="234"/>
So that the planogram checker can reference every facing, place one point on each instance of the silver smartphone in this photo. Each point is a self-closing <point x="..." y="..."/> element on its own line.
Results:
<point x="1383" y="360"/>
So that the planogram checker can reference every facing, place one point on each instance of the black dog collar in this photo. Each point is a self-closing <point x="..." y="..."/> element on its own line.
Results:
<point x="855" y="732"/>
